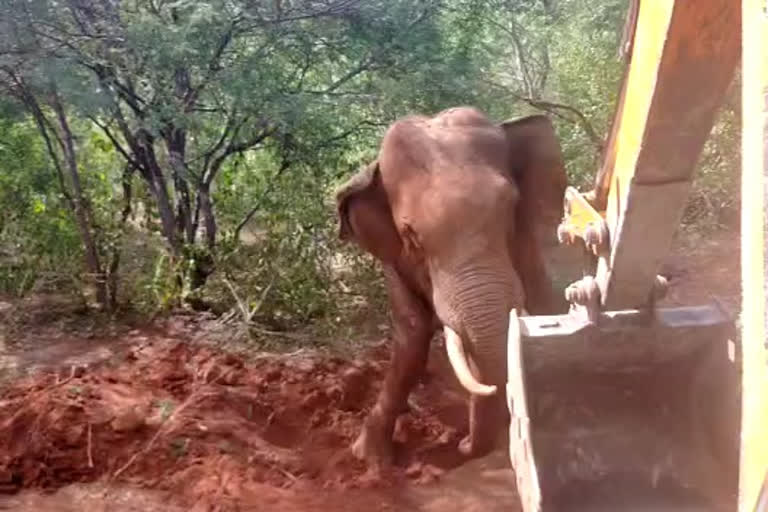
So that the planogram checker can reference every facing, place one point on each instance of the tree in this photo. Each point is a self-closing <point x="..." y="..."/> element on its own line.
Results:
<point x="558" y="57"/>
<point x="42" y="100"/>
<point x="180" y="88"/>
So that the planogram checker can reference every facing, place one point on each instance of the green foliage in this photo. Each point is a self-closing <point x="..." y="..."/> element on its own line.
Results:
<point x="39" y="245"/>
<point x="714" y="201"/>
<point x="266" y="107"/>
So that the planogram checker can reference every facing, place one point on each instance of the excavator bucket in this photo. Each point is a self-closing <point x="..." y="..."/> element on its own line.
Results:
<point x="634" y="413"/>
<point x="621" y="404"/>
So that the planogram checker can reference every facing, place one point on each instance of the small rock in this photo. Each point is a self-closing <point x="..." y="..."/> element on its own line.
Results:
<point x="355" y="387"/>
<point x="73" y="436"/>
<point x="154" y="421"/>
<point x="447" y="437"/>
<point x="176" y="374"/>
<point x="233" y="361"/>
<point x="99" y="416"/>
<point x="371" y="478"/>
<point x="429" y="474"/>
<point x="434" y="470"/>
<point x="303" y="364"/>
<point x="232" y="378"/>
<point x="353" y="376"/>
<point x="311" y="400"/>
<point x="212" y="373"/>
<point x="318" y="418"/>
<point x="415" y="470"/>
<point x="79" y="371"/>
<point x="128" y="420"/>
<point x="273" y="375"/>
<point x="402" y="428"/>
<point x="334" y="392"/>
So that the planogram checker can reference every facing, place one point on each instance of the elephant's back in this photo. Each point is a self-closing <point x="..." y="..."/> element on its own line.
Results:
<point x="459" y="140"/>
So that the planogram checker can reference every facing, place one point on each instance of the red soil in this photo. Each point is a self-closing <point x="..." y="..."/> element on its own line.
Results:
<point x="207" y="426"/>
<point x="213" y="432"/>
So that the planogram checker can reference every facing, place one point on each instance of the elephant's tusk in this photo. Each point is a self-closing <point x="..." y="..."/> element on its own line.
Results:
<point x="458" y="360"/>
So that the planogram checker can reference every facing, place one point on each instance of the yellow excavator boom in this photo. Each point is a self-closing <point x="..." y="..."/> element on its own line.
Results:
<point x="591" y="393"/>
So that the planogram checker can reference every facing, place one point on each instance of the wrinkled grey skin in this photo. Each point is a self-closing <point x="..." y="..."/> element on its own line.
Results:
<point x="454" y="208"/>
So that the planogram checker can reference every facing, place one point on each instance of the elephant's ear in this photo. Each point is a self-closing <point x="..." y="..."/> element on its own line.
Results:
<point x="536" y="165"/>
<point x="365" y="215"/>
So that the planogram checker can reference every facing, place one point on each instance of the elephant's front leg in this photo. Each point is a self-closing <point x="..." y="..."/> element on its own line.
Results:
<point x="488" y="415"/>
<point x="413" y="326"/>
<point x="487" y="418"/>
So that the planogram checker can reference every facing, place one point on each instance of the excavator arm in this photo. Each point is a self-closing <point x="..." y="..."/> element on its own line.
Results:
<point x="621" y="404"/>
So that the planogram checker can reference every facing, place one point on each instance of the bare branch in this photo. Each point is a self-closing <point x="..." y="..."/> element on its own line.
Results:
<point x="213" y="66"/>
<point x="258" y="203"/>
<point x="369" y="63"/>
<point x="581" y="118"/>
<point x="286" y="163"/>
<point x="333" y="9"/>
<point x="343" y="135"/>
<point x="21" y="92"/>
<point x="557" y="109"/>
<point x="116" y="143"/>
<point x="237" y="147"/>
<point x="231" y="126"/>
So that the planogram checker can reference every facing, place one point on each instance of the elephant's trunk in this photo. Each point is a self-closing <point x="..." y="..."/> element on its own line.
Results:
<point x="473" y="304"/>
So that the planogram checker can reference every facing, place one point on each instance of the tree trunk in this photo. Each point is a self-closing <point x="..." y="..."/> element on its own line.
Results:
<point x="83" y="215"/>
<point x="208" y="216"/>
<point x="157" y="185"/>
<point x="176" y="144"/>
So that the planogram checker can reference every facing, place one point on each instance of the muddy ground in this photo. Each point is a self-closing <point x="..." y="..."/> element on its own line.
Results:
<point x="135" y="417"/>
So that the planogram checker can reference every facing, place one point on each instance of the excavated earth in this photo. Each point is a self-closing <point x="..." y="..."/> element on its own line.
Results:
<point x="213" y="429"/>
<point x="148" y="420"/>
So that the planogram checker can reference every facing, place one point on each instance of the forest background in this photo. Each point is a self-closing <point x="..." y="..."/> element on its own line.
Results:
<point x="157" y="154"/>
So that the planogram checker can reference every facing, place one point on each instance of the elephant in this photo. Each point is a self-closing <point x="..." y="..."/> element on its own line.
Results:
<point x="458" y="210"/>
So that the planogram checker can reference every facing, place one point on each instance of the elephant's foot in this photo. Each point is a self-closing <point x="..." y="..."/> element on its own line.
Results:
<point x="471" y="448"/>
<point x="372" y="446"/>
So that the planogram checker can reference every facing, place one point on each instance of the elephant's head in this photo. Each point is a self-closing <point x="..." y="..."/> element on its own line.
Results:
<point x="466" y="201"/>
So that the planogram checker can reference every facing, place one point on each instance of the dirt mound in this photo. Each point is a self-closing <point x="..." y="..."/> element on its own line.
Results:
<point x="205" y="425"/>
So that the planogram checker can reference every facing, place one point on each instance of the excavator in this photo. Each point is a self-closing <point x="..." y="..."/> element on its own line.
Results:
<point x="622" y="404"/>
